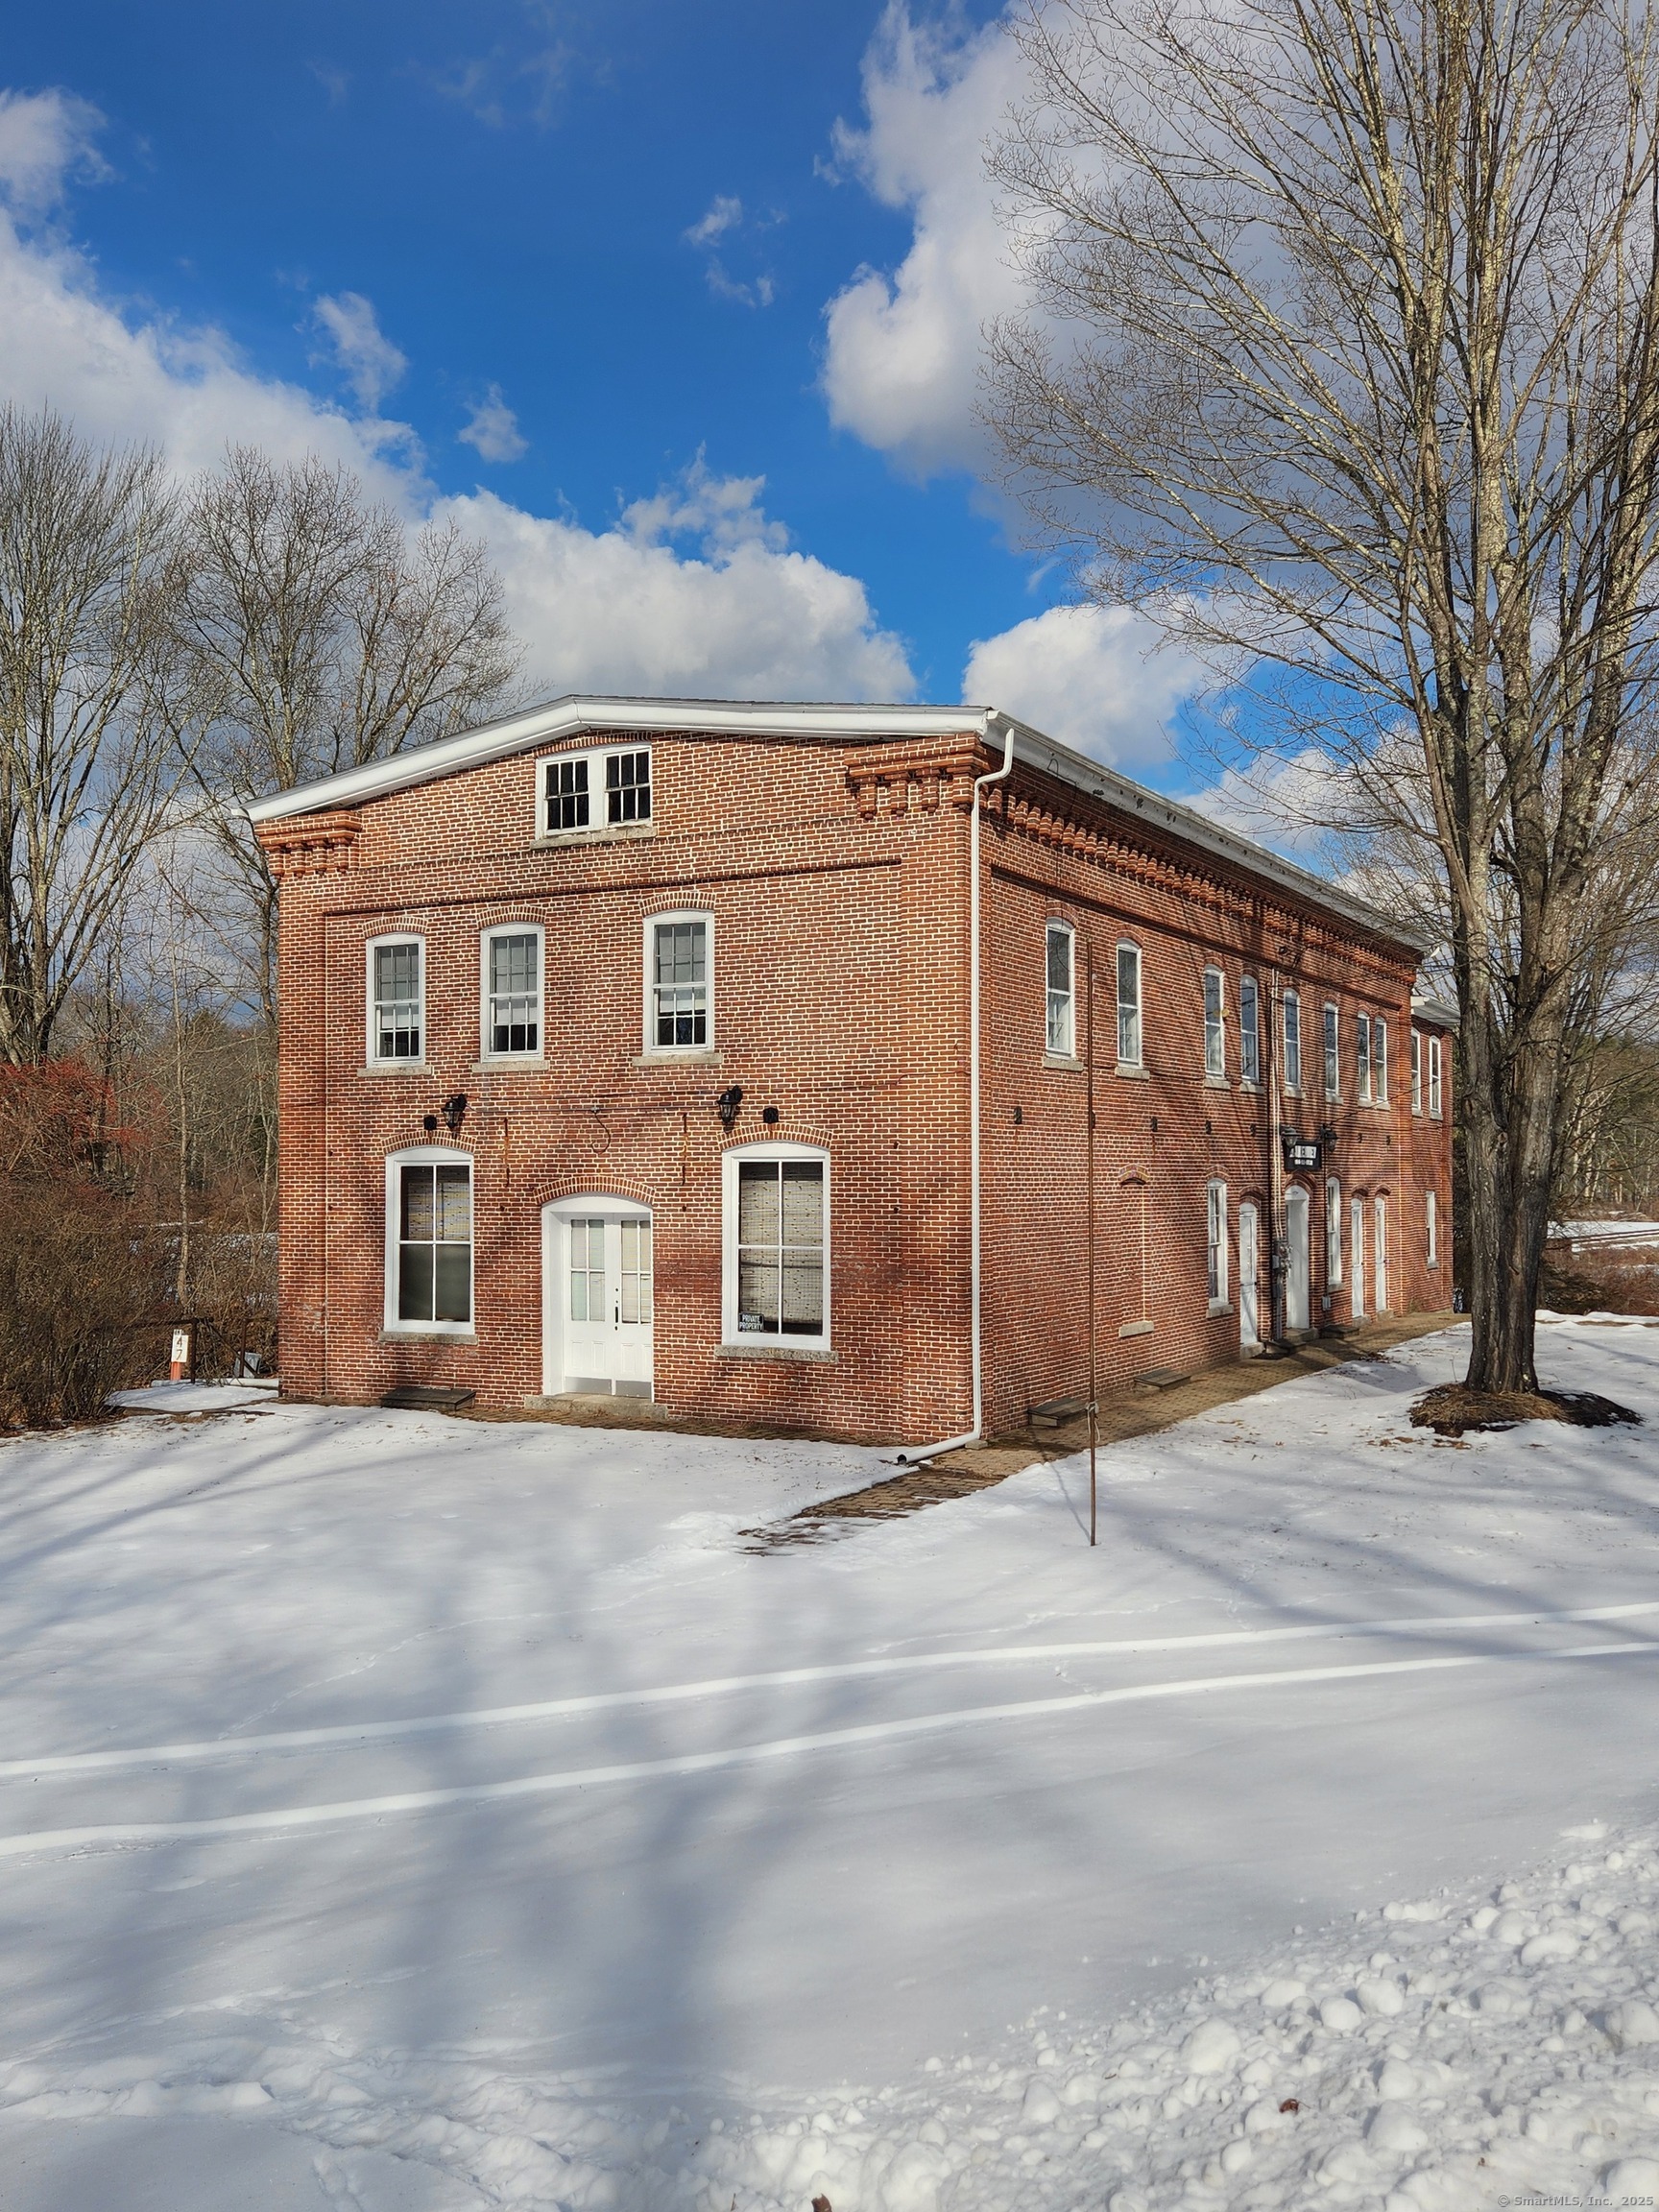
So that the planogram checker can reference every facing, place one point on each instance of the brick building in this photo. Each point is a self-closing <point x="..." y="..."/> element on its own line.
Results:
<point x="739" y="1057"/>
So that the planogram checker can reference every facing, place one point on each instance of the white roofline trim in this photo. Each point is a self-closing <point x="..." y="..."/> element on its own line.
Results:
<point x="576" y="715"/>
<point x="573" y="715"/>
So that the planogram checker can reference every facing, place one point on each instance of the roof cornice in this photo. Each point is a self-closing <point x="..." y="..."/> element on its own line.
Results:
<point x="577" y="715"/>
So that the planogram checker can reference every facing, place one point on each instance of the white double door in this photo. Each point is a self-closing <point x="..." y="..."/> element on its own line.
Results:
<point x="596" y="1297"/>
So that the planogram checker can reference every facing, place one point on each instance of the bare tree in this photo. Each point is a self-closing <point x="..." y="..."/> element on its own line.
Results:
<point x="328" y="635"/>
<point x="95" y="737"/>
<point x="1349" y="369"/>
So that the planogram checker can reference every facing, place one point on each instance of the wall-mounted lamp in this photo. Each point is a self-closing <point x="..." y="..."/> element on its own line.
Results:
<point x="770" y="1116"/>
<point x="430" y="1124"/>
<point x="727" y="1105"/>
<point x="454" y="1111"/>
<point x="1327" y="1134"/>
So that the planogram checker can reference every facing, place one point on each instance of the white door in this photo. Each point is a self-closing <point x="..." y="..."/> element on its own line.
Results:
<point x="1357" y="1261"/>
<point x="596" y="1297"/>
<point x="1296" y="1268"/>
<point x="1249" y="1319"/>
<point x="1380" y="1257"/>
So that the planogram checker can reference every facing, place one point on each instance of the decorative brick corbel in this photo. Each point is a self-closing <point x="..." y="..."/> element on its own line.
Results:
<point x="310" y="844"/>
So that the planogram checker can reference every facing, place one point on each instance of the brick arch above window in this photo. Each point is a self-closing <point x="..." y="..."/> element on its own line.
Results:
<point x="751" y="1130"/>
<point x="597" y="1185"/>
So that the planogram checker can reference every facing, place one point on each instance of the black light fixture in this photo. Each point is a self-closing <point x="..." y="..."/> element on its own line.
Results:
<point x="727" y="1105"/>
<point x="770" y="1116"/>
<point x="454" y="1111"/>
<point x="430" y="1124"/>
<point x="1327" y="1134"/>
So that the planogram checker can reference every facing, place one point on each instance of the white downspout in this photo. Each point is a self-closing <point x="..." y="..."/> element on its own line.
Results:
<point x="976" y="1338"/>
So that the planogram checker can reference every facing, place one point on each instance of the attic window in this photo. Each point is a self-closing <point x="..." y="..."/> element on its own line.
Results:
<point x="584" y="793"/>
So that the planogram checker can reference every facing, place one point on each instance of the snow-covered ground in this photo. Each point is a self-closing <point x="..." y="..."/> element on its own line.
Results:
<point x="412" y="1814"/>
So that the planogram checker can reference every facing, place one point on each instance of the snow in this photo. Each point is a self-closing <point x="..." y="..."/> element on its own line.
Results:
<point x="414" y="1815"/>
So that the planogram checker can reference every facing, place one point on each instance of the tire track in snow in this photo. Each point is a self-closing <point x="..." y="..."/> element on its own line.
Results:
<point x="355" y="1732"/>
<point x="294" y="1817"/>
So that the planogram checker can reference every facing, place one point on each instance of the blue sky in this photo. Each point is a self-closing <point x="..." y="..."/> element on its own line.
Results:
<point x="677" y="305"/>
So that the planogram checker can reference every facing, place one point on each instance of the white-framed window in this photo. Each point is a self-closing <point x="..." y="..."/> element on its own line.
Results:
<point x="1379" y="1255"/>
<point x="1379" y="1060"/>
<point x="1416" y="1070"/>
<point x="1332" y="1233"/>
<point x="1214" y="1024"/>
<point x="510" y="1023"/>
<point x="777" y="1245"/>
<point x="1431" y="1228"/>
<point x="396" y="995"/>
<point x="1060" y="966"/>
<point x="1362" y="1056"/>
<point x="429" y="1242"/>
<point x="1249" y="1032"/>
<point x="1128" y="1005"/>
<point x="1434" y="1077"/>
<point x="581" y="793"/>
<point x="1292" y="1016"/>
<point x="679" y="983"/>
<point x="1333" y="1053"/>
<point x="1215" y="1243"/>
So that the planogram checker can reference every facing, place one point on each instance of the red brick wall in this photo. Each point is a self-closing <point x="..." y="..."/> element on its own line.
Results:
<point x="838" y="881"/>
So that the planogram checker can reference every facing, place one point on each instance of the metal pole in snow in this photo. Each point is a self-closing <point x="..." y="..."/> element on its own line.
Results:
<point x="1089" y="1086"/>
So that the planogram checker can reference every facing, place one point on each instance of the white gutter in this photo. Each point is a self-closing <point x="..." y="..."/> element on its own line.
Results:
<point x="976" y="1337"/>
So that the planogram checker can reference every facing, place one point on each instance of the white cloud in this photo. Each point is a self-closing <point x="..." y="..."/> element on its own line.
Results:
<point x="46" y="137"/>
<point x="692" y="591"/>
<point x="493" y="429"/>
<point x="724" y="213"/>
<point x="373" y="366"/>
<point x="742" y="616"/>
<point x="140" y="375"/>
<point x="725" y="218"/>
<point x="903" y="361"/>
<point x="1097" y="677"/>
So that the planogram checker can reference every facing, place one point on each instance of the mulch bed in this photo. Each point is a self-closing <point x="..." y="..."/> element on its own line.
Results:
<point x="1453" y="1410"/>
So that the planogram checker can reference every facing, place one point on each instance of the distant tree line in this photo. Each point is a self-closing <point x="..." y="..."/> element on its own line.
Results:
<point x="168" y="652"/>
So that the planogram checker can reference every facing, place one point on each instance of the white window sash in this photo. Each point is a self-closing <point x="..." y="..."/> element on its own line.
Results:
<point x="410" y="1008"/>
<point x="426" y="1156"/>
<point x="734" y="1160"/>
<point x="1060" y="1029"/>
<point x="1291" y="1011"/>
<point x="1249" y="1032"/>
<point x="601" y="791"/>
<point x="679" y="1000"/>
<point x="1214" y="1023"/>
<point x="1130" y="1035"/>
<point x="1215" y="1241"/>
<point x="528" y="1005"/>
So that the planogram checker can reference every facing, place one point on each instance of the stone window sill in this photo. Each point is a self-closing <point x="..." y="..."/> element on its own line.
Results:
<point x="1218" y="1307"/>
<point x="1246" y="1084"/>
<point x="1066" y="1060"/>
<point x="1217" y="1083"/>
<point x="397" y="1068"/>
<point x="418" y="1336"/>
<point x="511" y="1064"/>
<point x="609" y="833"/>
<point x="695" y="1056"/>
<point x="1133" y="1071"/>
<point x="811" y="1355"/>
<point x="1135" y="1329"/>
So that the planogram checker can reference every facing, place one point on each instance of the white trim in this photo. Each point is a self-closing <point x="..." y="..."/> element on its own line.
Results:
<point x="1288" y="1001"/>
<point x="731" y="1159"/>
<point x="651" y="1051"/>
<point x="1216" y="1217"/>
<point x="1250" y="982"/>
<point x="487" y="1058"/>
<point x="1138" y="1063"/>
<point x="429" y="1156"/>
<point x="1331" y="1048"/>
<point x="371" y="1027"/>
<point x="1416" y="1070"/>
<point x="595" y="826"/>
<point x="1431" y="1228"/>
<point x="1057" y="926"/>
<point x="550" y="725"/>
<point x="1332" y="1234"/>
<point x="1436" y="1093"/>
<point x="1216" y="1074"/>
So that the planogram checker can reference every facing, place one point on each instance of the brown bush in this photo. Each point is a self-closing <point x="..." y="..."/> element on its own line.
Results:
<point x="78" y="1296"/>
